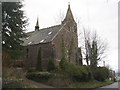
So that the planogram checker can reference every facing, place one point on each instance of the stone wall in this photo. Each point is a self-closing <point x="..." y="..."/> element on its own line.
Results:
<point x="30" y="58"/>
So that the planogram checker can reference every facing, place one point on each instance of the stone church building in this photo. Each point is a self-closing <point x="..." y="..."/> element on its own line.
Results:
<point x="50" y="41"/>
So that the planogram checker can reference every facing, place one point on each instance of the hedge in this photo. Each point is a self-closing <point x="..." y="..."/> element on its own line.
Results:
<point x="79" y="73"/>
<point x="37" y="76"/>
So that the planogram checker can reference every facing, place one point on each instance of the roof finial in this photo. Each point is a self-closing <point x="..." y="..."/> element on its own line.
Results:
<point x="69" y="3"/>
<point x="37" y="25"/>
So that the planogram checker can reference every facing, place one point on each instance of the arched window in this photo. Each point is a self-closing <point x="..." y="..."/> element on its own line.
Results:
<point x="75" y="29"/>
<point x="27" y="50"/>
<point x="68" y="28"/>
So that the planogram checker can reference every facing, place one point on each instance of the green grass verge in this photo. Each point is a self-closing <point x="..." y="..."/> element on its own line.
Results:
<point x="91" y="84"/>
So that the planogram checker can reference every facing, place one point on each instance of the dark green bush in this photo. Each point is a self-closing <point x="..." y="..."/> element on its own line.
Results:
<point x="106" y="72"/>
<point x="100" y="73"/>
<point x="51" y="65"/>
<point x="31" y="70"/>
<point x="62" y="63"/>
<point x="37" y="76"/>
<point x="89" y="72"/>
<point x="78" y="73"/>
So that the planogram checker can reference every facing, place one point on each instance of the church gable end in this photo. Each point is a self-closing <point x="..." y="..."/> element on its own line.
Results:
<point x="69" y="34"/>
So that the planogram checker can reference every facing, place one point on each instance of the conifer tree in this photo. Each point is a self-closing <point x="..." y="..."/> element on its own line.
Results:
<point x="70" y="50"/>
<point x="39" y="59"/>
<point x="62" y="61"/>
<point x="13" y="26"/>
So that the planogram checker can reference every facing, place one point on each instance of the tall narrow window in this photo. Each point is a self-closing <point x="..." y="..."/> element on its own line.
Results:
<point x="68" y="28"/>
<point x="27" y="50"/>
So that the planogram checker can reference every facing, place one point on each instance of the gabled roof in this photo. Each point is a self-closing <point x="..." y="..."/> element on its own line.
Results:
<point x="47" y="34"/>
<point x="41" y="36"/>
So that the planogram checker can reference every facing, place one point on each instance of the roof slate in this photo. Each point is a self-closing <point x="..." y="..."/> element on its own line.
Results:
<point x="41" y="36"/>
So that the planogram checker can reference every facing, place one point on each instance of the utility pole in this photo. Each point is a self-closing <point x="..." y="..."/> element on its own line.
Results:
<point x="0" y="45"/>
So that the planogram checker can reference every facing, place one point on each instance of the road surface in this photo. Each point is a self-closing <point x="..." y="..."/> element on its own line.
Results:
<point x="113" y="86"/>
<point x="0" y="83"/>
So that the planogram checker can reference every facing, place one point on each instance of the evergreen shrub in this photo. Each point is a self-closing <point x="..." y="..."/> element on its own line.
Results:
<point x="100" y="73"/>
<point x="39" y="61"/>
<point x="51" y="65"/>
<point x="78" y="73"/>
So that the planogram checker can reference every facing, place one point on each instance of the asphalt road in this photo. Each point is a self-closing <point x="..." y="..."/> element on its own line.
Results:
<point x="113" y="86"/>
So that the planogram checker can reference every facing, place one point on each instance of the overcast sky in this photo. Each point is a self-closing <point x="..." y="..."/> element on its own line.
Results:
<point x="99" y="15"/>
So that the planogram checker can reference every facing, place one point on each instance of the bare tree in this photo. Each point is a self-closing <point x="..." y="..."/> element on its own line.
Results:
<point x="60" y="17"/>
<point x="94" y="47"/>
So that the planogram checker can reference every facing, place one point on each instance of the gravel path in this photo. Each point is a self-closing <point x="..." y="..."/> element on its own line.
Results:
<point x="38" y="85"/>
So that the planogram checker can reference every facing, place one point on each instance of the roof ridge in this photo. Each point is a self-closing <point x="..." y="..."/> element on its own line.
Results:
<point x="46" y="28"/>
<point x="51" y="26"/>
<point x="45" y="34"/>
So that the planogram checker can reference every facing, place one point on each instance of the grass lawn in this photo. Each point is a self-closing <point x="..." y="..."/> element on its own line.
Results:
<point x="91" y="84"/>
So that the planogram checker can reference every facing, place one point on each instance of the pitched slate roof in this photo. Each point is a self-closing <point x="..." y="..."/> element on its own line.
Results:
<point x="42" y="36"/>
